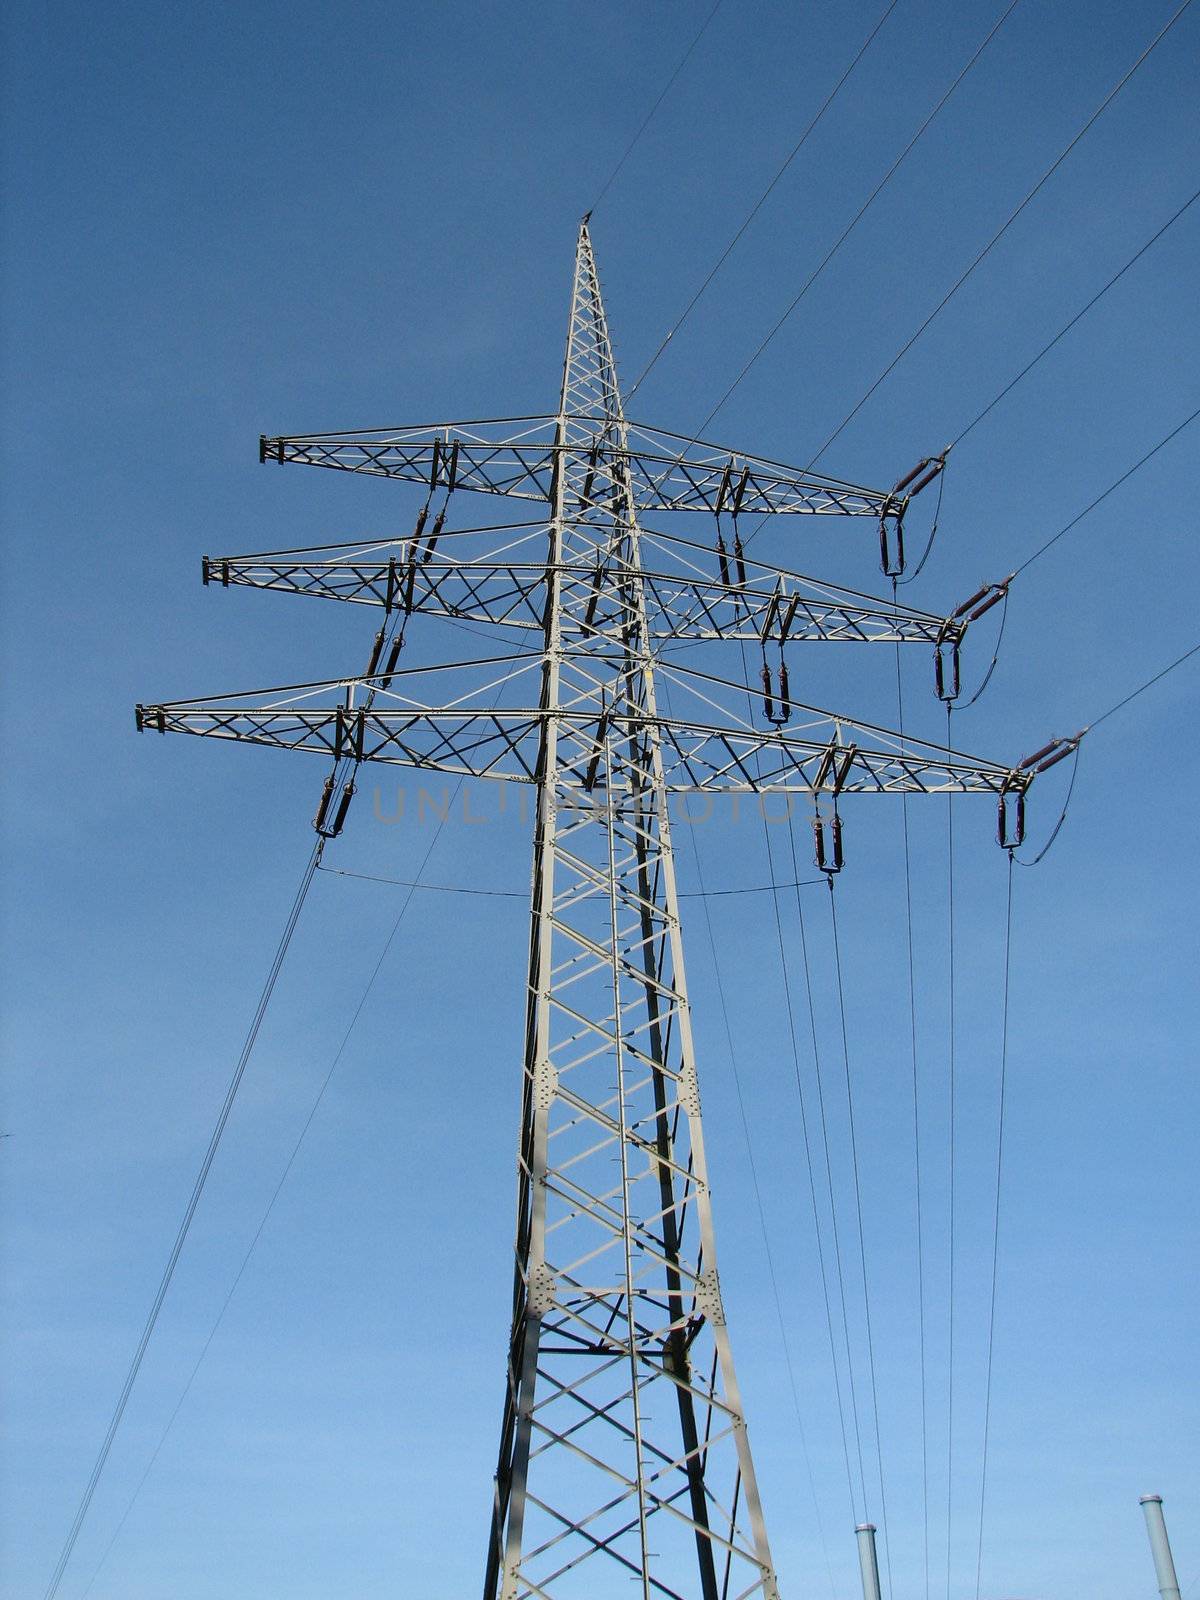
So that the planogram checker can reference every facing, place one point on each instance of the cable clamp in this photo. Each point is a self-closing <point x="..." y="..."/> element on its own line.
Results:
<point x="828" y="848"/>
<point x="891" y="534"/>
<point x="1049" y="755"/>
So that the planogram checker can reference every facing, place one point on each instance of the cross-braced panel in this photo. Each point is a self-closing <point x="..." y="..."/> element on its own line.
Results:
<point x="624" y="1455"/>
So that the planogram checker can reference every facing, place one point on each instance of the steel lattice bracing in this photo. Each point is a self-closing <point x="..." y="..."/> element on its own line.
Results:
<point x="623" y="1445"/>
<point x="521" y="457"/>
<point x="624" y="1457"/>
<point x="691" y="601"/>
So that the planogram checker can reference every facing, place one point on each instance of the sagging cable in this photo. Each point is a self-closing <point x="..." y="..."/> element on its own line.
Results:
<point x="891" y="517"/>
<point x="1010" y="831"/>
<point x="950" y="636"/>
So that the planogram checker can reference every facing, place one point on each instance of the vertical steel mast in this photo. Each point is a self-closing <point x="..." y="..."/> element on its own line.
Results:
<point x="624" y="1457"/>
<point x="623" y="1437"/>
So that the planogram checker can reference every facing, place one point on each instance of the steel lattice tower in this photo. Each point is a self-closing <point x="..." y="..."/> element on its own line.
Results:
<point x="624" y="1455"/>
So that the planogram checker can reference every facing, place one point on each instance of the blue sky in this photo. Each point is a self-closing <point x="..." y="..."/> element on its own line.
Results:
<point x="228" y="220"/>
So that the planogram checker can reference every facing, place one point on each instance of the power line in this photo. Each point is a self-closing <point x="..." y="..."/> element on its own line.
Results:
<point x="828" y="1162"/>
<point x="912" y="1019"/>
<point x="1116" y="484"/>
<point x="283" y="1177"/>
<point x="1096" y="721"/>
<point x="523" y="894"/>
<point x="193" y="1201"/>
<point x="1003" y="229"/>
<point x="1025" y="370"/>
<point x="953" y="1110"/>
<point x="761" y="1208"/>
<point x="812" y="1187"/>
<point x="862" y="1243"/>
<point x="1079" y="315"/>
<point x="837" y="1247"/>
<point x="991" y="1337"/>
<point x="649" y="117"/>
<point x="858" y="216"/>
<point x="1141" y="689"/>
<point x="761" y="201"/>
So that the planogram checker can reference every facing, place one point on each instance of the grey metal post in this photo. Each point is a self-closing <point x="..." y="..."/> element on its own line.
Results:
<point x="1160" y="1546"/>
<point x="868" y="1560"/>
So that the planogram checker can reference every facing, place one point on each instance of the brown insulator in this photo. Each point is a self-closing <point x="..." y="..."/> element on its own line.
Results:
<point x="393" y="657"/>
<point x="768" y="707"/>
<point x="909" y="476"/>
<point x="439" y="522"/>
<point x="323" y="808"/>
<point x="375" y="650"/>
<point x="343" y="807"/>
<point x="723" y="559"/>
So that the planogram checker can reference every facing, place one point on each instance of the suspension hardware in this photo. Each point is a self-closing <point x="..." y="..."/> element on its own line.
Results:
<point x="376" y="648"/>
<point x="323" y="807"/>
<point x="1010" y="825"/>
<point x="770" y="699"/>
<point x="439" y="522"/>
<point x="768" y="707"/>
<point x="891" y="535"/>
<point x="891" y="513"/>
<point x="723" y="490"/>
<point x="921" y="476"/>
<point x="393" y="657"/>
<point x="343" y="806"/>
<point x="946" y="665"/>
<point x="834" y="768"/>
<point x="722" y="557"/>
<point x="981" y="602"/>
<point x="1050" y="754"/>
<point x="830" y="860"/>
<point x="739" y="556"/>
<point x="950" y="635"/>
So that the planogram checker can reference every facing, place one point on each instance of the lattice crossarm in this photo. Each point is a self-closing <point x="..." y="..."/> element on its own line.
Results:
<point x="520" y="457"/>
<point x="512" y="594"/>
<point x="511" y="456"/>
<point x="679" y="606"/>
<point x="502" y="744"/>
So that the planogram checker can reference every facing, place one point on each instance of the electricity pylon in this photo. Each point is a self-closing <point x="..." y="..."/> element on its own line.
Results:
<point x="624" y="1455"/>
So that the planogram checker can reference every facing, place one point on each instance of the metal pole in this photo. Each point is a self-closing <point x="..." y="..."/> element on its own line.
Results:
<point x="868" y="1560"/>
<point x="1160" y="1546"/>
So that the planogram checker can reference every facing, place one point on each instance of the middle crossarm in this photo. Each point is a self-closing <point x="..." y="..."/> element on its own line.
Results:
<point x="832" y="755"/>
<point x="772" y="605"/>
